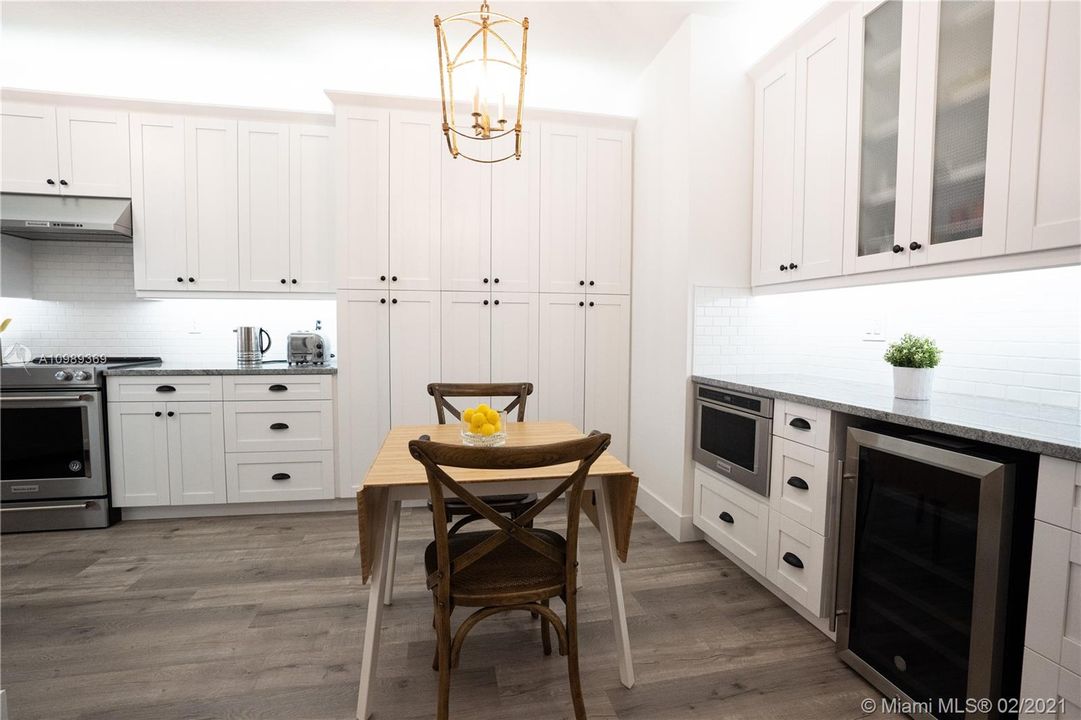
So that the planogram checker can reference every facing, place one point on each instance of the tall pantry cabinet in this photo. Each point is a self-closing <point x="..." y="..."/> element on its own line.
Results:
<point x="456" y="271"/>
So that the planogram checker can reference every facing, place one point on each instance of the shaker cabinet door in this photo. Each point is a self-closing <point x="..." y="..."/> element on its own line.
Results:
<point x="561" y="369"/>
<point x="607" y="368"/>
<point x="158" y="202"/>
<point x="139" y="453"/>
<point x="563" y="209"/>
<point x="264" y="206"/>
<point x="94" y="152"/>
<point x="363" y="189"/>
<point x="210" y="152"/>
<point x="515" y="341"/>
<point x="196" y="452"/>
<point x="466" y="337"/>
<point x="29" y="160"/>
<point x="774" y="136"/>
<point x="516" y="218"/>
<point x="466" y="214"/>
<point x="416" y="154"/>
<point x="312" y="209"/>
<point x="415" y="355"/>
<point x="608" y="208"/>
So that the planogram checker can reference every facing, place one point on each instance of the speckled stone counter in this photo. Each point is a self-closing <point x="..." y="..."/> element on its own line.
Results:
<point x="222" y="367"/>
<point x="1045" y="429"/>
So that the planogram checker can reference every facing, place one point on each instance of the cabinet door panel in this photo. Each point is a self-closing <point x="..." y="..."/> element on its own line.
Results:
<point x="196" y="453"/>
<point x="363" y="383"/>
<point x="414" y="353"/>
<point x="158" y="202"/>
<point x="821" y="134"/>
<point x="608" y="237"/>
<point x="416" y="152"/>
<point x="561" y="368"/>
<point x="363" y="149"/>
<point x="515" y="340"/>
<point x="467" y="223"/>
<point x="211" y="180"/>
<point x="94" y="152"/>
<point x="516" y="218"/>
<point x="264" y="206"/>
<point x="312" y="209"/>
<point x="30" y="153"/>
<point x="1053" y="627"/>
<point x="774" y="123"/>
<point x="607" y="368"/>
<point x="138" y="453"/>
<point x="563" y="209"/>
<point x="466" y="337"/>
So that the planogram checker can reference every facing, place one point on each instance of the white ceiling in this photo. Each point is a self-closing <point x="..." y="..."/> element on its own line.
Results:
<point x="582" y="55"/>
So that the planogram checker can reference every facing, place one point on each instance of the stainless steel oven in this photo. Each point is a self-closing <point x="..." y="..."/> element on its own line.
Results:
<point x="732" y="435"/>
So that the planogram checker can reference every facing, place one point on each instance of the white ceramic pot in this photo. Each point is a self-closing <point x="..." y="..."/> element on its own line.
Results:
<point x="913" y="383"/>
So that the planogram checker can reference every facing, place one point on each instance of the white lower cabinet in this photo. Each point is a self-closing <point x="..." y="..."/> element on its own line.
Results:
<point x="196" y="445"/>
<point x="799" y="483"/>
<point x="731" y="517"/>
<point x="272" y="476"/>
<point x="1053" y="691"/>
<point x="794" y="561"/>
<point x="279" y="426"/>
<point x="1053" y="627"/>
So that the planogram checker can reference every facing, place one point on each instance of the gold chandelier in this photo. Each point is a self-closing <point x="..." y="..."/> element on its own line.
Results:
<point x="485" y="65"/>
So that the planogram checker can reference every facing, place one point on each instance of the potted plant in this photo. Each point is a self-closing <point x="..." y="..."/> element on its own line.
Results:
<point x="914" y="360"/>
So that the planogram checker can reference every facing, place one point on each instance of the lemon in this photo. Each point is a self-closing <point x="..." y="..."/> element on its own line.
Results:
<point x="487" y="429"/>
<point x="493" y="416"/>
<point x="477" y="420"/>
<point x="467" y="414"/>
<point x="498" y="425"/>
<point x="482" y="408"/>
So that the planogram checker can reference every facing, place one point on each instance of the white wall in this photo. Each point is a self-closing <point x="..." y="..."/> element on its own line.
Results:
<point x="1013" y="335"/>
<point x="84" y="302"/>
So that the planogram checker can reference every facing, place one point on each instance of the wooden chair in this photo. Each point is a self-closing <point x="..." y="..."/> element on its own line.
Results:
<point x="510" y="505"/>
<point x="513" y="567"/>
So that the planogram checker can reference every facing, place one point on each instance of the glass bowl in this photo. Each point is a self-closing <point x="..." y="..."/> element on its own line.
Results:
<point x="475" y="435"/>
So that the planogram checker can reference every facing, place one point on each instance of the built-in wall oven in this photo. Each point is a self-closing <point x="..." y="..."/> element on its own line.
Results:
<point x="732" y="435"/>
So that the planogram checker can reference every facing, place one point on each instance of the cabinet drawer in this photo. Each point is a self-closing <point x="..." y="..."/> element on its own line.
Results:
<point x="277" y="426"/>
<point x="802" y="423"/>
<point x="794" y="561"/>
<point x="160" y="388"/>
<point x="267" y="477"/>
<point x="1058" y="493"/>
<point x="735" y="520"/>
<point x="799" y="483"/>
<point x="1054" y="691"/>
<point x="277" y="387"/>
<point x="1053" y="627"/>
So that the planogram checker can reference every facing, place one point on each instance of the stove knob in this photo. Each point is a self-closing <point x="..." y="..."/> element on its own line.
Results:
<point x="62" y="375"/>
<point x="82" y="375"/>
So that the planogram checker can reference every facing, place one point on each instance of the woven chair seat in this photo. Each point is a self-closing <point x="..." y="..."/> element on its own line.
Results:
<point x="511" y="568"/>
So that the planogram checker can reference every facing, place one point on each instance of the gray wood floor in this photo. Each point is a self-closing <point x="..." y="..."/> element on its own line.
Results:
<point x="262" y="617"/>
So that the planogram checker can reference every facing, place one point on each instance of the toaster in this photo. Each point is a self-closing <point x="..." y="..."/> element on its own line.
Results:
<point x="307" y="348"/>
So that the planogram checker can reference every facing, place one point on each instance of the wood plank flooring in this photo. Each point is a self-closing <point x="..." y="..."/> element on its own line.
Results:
<point x="262" y="617"/>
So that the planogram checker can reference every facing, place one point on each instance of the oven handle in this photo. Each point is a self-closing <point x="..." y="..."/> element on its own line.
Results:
<point x="48" y="398"/>
<point x="734" y="411"/>
<point x="84" y="506"/>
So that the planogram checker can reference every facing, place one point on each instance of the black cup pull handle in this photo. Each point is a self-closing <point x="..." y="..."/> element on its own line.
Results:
<point x="797" y="482"/>
<point x="799" y="423"/>
<point x="278" y="388"/>
<point x="166" y="388"/>
<point x="792" y="560"/>
<point x="285" y="476"/>
<point x="725" y="517"/>
<point x="279" y="426"/>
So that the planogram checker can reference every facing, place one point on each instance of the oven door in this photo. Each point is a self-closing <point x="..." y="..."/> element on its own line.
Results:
<point x="53" y="445"/>
<point x="734" y="443"/>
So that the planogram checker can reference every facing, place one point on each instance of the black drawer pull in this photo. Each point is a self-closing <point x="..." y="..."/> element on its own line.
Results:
<point x="799" y="423"/>
<point x="725" y="517"/>
<point x="797" y="482"/>
<point x="166" y="388"/>
<point x="279" y="426"/>
<point x="792" y="560"/>
<point x="277" y="388"/>
<point x="285" y="476"/>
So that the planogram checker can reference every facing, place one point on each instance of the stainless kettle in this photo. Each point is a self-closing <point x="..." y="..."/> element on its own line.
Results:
<point x="249" y="344"/>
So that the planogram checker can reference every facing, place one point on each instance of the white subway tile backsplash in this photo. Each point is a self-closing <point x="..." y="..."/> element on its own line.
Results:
<point x="1014" y="335"/>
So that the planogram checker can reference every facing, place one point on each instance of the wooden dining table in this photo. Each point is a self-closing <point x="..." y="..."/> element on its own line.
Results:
<point x="395" y="477"/>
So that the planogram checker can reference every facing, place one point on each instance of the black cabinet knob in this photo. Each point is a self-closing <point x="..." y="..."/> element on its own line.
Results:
<point x="157" y="414"/>
<point x="382" y="278"/>
<point x="485" y="302"/>
<point x="170" y="413"/>
<point x="294" y="281"/>
<point x="591" y="303"/>
<point x="394" y="278"/>
<point x="180" y="279"/>
<point x="591" y="283"/>
<point x="783" y="267"/>
<point x="581" y="282"/>
<point x="394" y="301"/>
<point x="382" y="301"/>
<point x="496" y="280"/>
<point x="485" y="281"/>
<point x="792" y="266"/>
<point x="191" y="279"/>
<point x="898" y="249"/>
<point x="914" y="245"/>
<point x="725" y="517"/>
<point x="50" y="181"/>
<point x="581" y="303"/>
<point x="793" y="560"/>
<point x="64" y="183"/>
<point x="496" y="302"/>
<point x="283" y="281"/>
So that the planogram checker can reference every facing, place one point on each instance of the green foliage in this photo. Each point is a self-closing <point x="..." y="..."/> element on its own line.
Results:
<point x="913" y="352"/>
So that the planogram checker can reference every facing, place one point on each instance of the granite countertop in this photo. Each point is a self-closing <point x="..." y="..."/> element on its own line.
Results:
<point x="1045" y="429"/>
<point x="225" y="366"/>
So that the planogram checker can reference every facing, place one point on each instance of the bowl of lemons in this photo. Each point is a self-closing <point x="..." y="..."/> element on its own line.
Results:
<point x="483" y="426"/>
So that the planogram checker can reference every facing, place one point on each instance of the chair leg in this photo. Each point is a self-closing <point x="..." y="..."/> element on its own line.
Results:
<point x="572" y="655"/>
<point x="443" y="657"/>
<point x="546" y="638"/>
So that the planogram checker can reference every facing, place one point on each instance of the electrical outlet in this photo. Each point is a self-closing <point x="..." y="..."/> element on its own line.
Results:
<point x="874" y="330"/>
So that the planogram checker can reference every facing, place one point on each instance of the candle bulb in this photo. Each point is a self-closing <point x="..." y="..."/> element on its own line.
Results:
<point x="476" y="101"/>
<point x="502" y="114"/>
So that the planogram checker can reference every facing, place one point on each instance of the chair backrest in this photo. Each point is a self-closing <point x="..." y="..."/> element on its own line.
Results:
<point x="441" y="391"/>
<point x="436" y="456"/>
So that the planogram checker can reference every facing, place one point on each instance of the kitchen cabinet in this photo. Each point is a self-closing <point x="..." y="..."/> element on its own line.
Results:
<point x="563" y="197"/>
<point x="210" y="193"/>
<point x="196" y="450"/>
<point x="277" y="476"/>
<point x="561" y="368"/>
<point x="1044" y="208"/>
<point x="466" y="233"/>
<point x="65" y="150"/>
<point x="264" y="206"/>
<point x="312" y="210"/>
<point x="774" y="150"/>
<point x="516" y="218"/>
<point x="416" y="154"/>
<point x="415" y="355"/>
<point x="1055" y="693"/>
<point x="516" y="341"/>
<point x="363" y="187"/>
<point x="159" y="208"/>
<point x="608" y="212"/>
<point x="1053" y="627"/>
<point x="732" y="518"/>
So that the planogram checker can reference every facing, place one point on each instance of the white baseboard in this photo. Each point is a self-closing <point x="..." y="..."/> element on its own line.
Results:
<point x="674" y="523"/>
<point x="226" y="509"/>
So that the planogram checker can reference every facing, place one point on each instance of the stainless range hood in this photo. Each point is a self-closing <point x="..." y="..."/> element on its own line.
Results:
<point x="57" y="217"/>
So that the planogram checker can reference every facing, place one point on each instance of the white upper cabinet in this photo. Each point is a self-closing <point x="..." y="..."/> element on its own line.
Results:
<point x="264" y="206"/>
<point x="467" y="222"/>
<point x="363" y="186"/>
<point x="65" y="150"/>
<point x="210" y="180"/>
<point x="416" y="153"/>
<point x="515" y="224"/>
<point x="563" y="217"/>
<point x="312" y="209"/>
<point x="159" y="209"/>
<point x="821" y="137"/>
<point x="1045" y="175"/>
<point x="608" y="209"/>
<point x="774" y="123"/>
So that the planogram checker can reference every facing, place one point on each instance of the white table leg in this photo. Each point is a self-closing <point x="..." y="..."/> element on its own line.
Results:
<point x="615" y="589"/>
<point x="392" y="556"/>
<point x="375" y="607"/>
